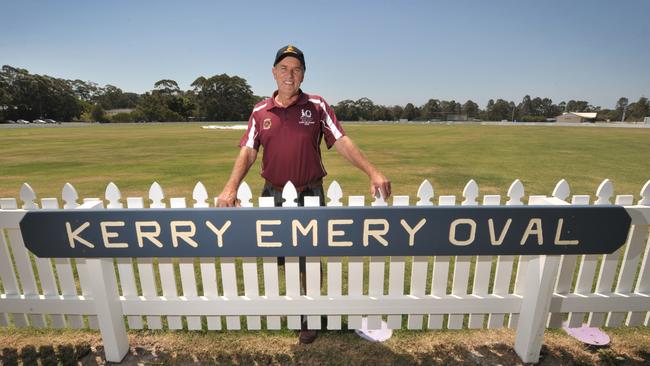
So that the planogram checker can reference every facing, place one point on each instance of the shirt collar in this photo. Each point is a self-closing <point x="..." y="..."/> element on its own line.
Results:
<point x="302" y="99"/>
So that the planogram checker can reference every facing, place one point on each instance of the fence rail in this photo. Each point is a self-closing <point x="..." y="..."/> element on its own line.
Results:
<point x="442" y="292"/>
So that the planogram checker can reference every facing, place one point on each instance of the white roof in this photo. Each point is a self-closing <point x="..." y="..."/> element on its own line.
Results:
<point x="585" y="114"/>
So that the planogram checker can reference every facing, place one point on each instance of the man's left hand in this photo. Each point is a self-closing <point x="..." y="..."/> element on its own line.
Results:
<point x="378" y="181"/>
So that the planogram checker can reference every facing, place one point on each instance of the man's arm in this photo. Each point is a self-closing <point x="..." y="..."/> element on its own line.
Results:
<point x="346" y="147"/>
<point x="246" y="158"/>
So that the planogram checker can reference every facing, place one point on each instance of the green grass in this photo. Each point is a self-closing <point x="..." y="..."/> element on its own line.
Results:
<point x="179" y="155"/>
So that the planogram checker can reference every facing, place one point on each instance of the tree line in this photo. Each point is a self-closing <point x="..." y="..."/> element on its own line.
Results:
<point x="230" y="98"/>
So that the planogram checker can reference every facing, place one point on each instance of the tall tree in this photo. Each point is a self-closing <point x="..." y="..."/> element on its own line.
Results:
<point x="639" y="109"/>
<point x="621" y="107"/>
<point x="409" y="113"/>
<point x="223" y="97"/>
<point x="471" y="109"/>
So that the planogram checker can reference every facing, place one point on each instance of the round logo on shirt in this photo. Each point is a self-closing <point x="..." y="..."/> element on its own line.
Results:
<point x="267" y="123"/>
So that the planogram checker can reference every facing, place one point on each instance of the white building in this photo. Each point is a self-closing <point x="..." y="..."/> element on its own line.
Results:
<point x="577" y="117"/>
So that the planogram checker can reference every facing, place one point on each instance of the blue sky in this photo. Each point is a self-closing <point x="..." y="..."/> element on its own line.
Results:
<point x="392" y="52"/>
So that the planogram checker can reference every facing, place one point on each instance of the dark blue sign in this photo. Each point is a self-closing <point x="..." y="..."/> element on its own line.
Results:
<point x="325" y="231"/>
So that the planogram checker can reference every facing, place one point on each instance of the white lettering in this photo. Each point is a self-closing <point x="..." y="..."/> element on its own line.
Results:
<point x="558" y="233"/>
<point x="502" y="236"/>
<point x="537" y="222"/>
<point x="331" y="233"/>
<point x="74" y="235"/>
<point x="472" y="232"/>
<point x="377" y="233"/>
<point x="106" y="235"/>
<point x="218" y="232"/>
<point x="185" y="235"/>
<point x="261" y="234"/>
<point x="411" y="231"/>
<point x="312" y="226"/>
<point x="151" y="235"/>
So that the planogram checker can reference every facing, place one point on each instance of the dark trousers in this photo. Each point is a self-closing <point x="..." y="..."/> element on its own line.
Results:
<point x="269" y="191"/>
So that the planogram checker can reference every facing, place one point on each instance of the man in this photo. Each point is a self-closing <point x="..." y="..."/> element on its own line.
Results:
<point x="290" y="126"/>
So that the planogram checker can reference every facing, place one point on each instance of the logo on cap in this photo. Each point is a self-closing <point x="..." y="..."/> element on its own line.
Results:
<point x="290" y="49"/>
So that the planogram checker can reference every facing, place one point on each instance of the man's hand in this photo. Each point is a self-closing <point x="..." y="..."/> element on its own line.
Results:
<point x="346" y="147"/>
<point x="228" y="198"/>
<point x="378" y="181"/>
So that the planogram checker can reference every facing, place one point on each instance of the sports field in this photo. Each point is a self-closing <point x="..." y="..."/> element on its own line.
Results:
<point x="178" y="155"/>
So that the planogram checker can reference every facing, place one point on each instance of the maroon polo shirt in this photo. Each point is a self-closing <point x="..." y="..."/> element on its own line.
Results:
<point x="291" y="138"/>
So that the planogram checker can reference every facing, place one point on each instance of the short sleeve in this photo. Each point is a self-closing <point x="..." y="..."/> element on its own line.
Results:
<point x="252" y="137"/>
<point x="332" y="129"/>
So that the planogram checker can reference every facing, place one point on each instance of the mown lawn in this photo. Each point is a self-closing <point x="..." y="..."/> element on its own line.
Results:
<point x="179" y="155"/>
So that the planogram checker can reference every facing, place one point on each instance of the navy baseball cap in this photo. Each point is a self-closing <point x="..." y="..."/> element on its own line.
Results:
<point x="292" y="51"/>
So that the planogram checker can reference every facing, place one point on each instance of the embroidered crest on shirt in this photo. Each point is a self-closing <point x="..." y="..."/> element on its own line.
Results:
<point x="266" y="124"/>
<point x="305" y="117"/>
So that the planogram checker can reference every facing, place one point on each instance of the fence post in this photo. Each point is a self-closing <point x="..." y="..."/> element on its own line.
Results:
<point x="107" y="304"/>
<point x="538" y="291"/>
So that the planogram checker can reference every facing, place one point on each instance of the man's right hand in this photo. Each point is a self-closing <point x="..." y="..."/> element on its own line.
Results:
<point x="228" y="198"/>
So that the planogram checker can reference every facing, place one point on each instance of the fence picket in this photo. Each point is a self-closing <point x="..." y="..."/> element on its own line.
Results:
<point x="86" y="277"/>
<point x="631" y="259"/>
<point x="23" y="265"/>
<point x="46" y="273"/>
<point x="124" y="265"/>
<point x="271" y="276"/>
<point x="334" y="264"/>
<point x="355" y="270"/>
<point x="146" y="274"/>
<point x="313" y="273"/>
<point x="43" y="265"/>
<point x="643" y="282"/>
<point x="397" y="268"/>
<point x="587" y="269"/>
<point x="8" y="276"/>
<point x="462" y="264"/>
<point x="186" y="267"/>
<point x="607" y="272"/>
<point x="482" y="272"/>
<point x="165" y="265"/>
<point x="440" y="272"/>
<point x="64" y="266"/>
<point x="505" y="263"/>
<point x="291" y="264"/>
<point x="567" y="262"/>
<point x="377" y="266"/>
<point x="249" y="264"/>
<point x="420" y="264"/>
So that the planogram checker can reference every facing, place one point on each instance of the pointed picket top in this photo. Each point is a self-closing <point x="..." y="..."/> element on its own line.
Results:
<point x="70" y="196"/>
<point x="425" y="194"/>
<point x="335" y="194"/>
<point x="604" y="192"/>
<point x="245" y="195"/>
<point x="562" y="190"/>
<point x="470" y="193"/>
<point x="516" y="193"/>
<point x="113" y="196"/>
<point x="28" y="196"/>
<point x="200" y="195"/>
<point x="156" y="196"/>
<point x="289" y="194"/>
<point x="645" y="194"/>
<point x="379" y="199"/>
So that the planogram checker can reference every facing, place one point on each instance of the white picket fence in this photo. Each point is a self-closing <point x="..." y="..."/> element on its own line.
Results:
<point x="255" y="293"/>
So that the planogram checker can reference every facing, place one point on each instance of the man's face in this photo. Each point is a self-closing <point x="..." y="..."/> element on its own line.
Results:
<point x="288" y="74"/>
